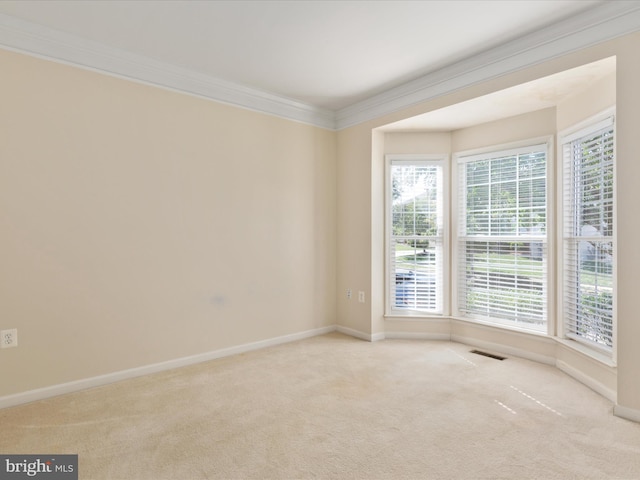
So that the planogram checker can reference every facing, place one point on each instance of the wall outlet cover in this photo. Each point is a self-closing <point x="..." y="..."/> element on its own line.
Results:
<point x="9" y="338"/>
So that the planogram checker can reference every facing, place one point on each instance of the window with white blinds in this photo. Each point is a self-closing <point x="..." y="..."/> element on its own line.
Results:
<point x="415" y="226"/>
<point x="588" y="204"/>
<point x="502" y="237"/>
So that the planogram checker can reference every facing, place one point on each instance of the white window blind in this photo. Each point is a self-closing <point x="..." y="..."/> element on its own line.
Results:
<point x="589" y="234"/>
<point x="415" y="226"/>
<point x="502" y="237"/>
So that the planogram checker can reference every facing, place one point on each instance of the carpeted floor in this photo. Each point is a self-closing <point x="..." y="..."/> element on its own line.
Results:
<point x="337" y="408"/>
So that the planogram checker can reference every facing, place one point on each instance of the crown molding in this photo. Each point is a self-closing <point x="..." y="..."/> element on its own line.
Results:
<point x="43" y="42"/>
<point x="604" y="22"/>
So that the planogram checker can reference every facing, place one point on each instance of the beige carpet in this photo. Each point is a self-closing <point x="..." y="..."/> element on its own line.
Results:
<point x="336" y="407"/>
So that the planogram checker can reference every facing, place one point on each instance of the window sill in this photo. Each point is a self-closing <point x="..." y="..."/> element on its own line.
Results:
<point x="415" y="317"/>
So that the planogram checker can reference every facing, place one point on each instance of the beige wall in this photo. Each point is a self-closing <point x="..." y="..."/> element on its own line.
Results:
<point x="356" y="159"/>
<point x="628" y="227"/>
<point x="586" y="103"/>
<point x="139" y="225"/>
<point x="417" y="143"/>
<point x="538" y="124"/>
<point x="354" y="221"/>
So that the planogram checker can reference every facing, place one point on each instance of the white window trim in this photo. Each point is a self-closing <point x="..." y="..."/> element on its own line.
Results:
<point x="458" y="158"/>
<point x="442" y="160"/>
<point x="566" y="135"/>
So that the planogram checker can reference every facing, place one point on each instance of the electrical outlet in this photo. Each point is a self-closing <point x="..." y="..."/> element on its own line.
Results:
<point x="349" y="294"/>
<point x="9" y="338"/>
<point x="361" y="297"/>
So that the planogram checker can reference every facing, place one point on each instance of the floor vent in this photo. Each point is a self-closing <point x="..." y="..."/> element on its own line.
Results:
<point x="486" y="354"/>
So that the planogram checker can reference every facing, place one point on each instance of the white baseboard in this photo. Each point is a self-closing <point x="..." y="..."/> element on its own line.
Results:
<point x="361" y="335"/>
<point x="587" y="380"/>
<point x="626" y="413"/>
<point x="376" y="337"/>
<point x="55" y="390"/>
<point x="417" y="336"/>
<point x="504" y="349"/>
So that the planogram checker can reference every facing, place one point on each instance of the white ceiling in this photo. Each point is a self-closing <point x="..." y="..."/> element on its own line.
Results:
<point x="329" y="55"/>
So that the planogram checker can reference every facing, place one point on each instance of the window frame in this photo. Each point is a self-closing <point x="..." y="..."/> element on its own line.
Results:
<point x="442" y="161"/>
<point x="589" y="126"/>
<point x="495" y="151"/>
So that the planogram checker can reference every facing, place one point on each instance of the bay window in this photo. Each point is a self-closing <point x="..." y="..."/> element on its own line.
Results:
<point x="500" y="265"/>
